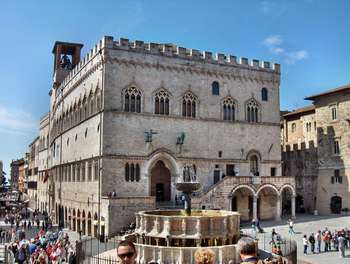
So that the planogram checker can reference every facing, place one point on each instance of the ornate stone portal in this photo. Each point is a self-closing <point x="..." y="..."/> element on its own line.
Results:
<point x="173" y="236"/>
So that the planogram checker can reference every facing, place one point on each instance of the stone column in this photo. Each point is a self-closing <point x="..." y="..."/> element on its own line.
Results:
<point x="255" y="207"/>
<point x="184" y="226"/>
<point x="230" y="203"/>
<point x="278" y="208"/>
<point x="293" y="206"/>
<point x="211" y="226"/>
<point x="224" y="226"/>
<point x="198" y="227"/>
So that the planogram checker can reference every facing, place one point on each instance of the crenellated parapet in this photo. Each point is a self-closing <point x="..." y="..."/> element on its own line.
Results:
<point x="168" y="50"/>
<point x="172" y="50"/>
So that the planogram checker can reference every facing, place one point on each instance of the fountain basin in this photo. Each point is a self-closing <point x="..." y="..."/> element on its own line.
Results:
<point x="200" y="225"/>
<point x="188" y="187"/>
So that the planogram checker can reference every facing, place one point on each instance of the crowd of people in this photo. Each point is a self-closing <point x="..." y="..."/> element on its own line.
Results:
<point x="339" y="240"/>
<point x="46" y="247"/>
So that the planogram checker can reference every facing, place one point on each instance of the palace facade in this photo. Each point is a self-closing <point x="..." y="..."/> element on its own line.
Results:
<point x="129" y="116"/>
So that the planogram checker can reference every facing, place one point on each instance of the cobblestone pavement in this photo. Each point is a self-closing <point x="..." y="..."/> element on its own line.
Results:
<point x="306" y="224"/>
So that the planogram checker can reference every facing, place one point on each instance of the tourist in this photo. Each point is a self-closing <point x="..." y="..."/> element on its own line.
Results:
<point x="273" y="235"/>
<point x="318" y="238"/>
<point x="312" y="243"/>
<point x="258" y="226"/>
<point x="291" y="227"/>
<point x="326" y="240"/>
<point x="247" y="250"/>
<point x="341" y="245"/>
<point x="305" y="243"/>
<point x="204" y="256"/>
<point x="127" y="252"/>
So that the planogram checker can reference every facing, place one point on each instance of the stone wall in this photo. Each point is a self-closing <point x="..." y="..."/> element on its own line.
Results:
<point x="329" y="161"/>
<point x="120" y="211"/>
<point x="299" y="155"/>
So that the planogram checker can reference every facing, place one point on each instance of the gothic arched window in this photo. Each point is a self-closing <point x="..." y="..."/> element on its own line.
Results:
<point x="132" y="100"/>
<point x="252" y="111"/>
<point x="189" y="104"/>
<point x="215" y="88"/>
<point x="161" y="103"/>
<point x="264" y="94"/>
<point x="229" y="108"/>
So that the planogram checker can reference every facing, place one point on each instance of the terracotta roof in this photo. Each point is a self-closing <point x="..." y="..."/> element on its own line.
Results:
<point x="305" y="109"/>
<point x="332" y="91"/>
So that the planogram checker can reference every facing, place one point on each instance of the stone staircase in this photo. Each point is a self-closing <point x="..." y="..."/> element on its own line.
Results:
<point x="216" y="196"/>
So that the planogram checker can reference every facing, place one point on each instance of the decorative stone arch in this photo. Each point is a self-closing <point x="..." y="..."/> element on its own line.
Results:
<point x="268" y="185"/>
<point x="241" y="186"/>
<point x="223" y="103"/>
<point x="243" y="202"/>
<point x="132" y="88"/>
<point x="252" y="102"/>
<point x="290" y="187"/>
<point x="161" y="91"/>
<point x="287" y="200"/>
<point x="155" y="161"/>
<point x="253" y="152"/>
<point x="186" y="96"/>
<point x="254" y="163"/>
<point x="165" y="156"/>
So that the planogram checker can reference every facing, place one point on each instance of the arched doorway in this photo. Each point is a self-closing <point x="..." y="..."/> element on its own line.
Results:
<point x="336" y="204"/>
<point x="242" y="202"/>
<point x="161" y="182"/>
<point x="268" y="199"/>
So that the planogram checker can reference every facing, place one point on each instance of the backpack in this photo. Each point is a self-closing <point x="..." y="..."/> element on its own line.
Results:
<point x="22" y="254"/>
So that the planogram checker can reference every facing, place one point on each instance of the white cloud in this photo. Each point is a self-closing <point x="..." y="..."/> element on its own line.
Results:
<point x="277" y="50"/>
<point x="16" y="120"/>
<point x="273" y="40"/>
<point x="274" y="45"/>
<point x="295" y="56"/>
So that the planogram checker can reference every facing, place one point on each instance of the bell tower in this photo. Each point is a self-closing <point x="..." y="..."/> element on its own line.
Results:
<point x="67" y="55"/>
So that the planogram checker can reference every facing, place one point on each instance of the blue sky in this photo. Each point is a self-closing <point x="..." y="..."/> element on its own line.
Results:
<point x="309" y="38"/>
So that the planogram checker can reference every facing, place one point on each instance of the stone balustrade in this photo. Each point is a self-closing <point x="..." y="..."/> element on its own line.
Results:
<point x="160" y="254"/>
<point x="205" y="224"/>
